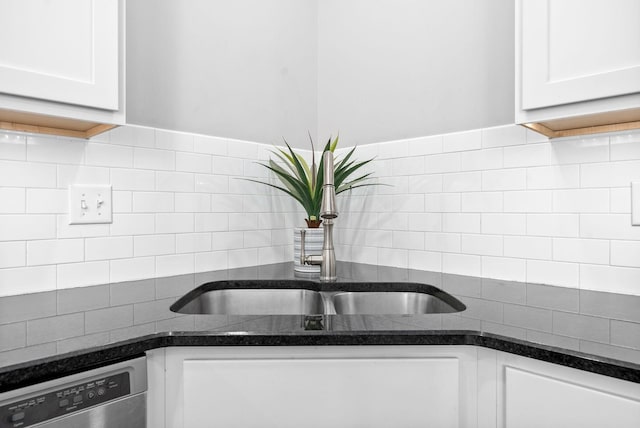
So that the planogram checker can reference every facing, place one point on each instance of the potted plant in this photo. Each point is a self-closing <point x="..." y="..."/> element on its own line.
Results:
<point x="303" y="182"/>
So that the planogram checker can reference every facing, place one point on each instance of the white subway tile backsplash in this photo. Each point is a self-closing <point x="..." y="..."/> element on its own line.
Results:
<point x="211" y="222"/>
<point x="504" y="179"/>
<point x="608" y="226"/>
<point x="553" y="273"/>
<point x="621" y="200"/>
<point x="55" y="150"/>
<point x="108" y="155"/>
<point x="484" y="245"/>
<point x="223" y="165"/>
<point x="51" y="252"/>
<point x="242" y="149"/>
<point x="528" y="201"/>
<point x="175" y="223"/>
<point x="581" y="201"/>
<point x="74" y="174"/>
<point x="154" y="245"/>
<point x="133" y="136"/>
<point x="423" y="222"/>
<point x="13" y="146"/>
<point x="108" y="248"/>
<point x="12" y="254"/>
<point x="177" y="141"/>
<point x="416" y="147"/>
<point x="425" y="260"/>
<point x="625" y="253"/>
<point x="610" y="278"/>
<point x="462" y="141"/>
<point x="482" y="202"/>
<point x="612" y="174"/>
<point x="447" y="162"/>
<point x="462" y="264"/>
<point x="461" y="222"/>
<point x="580" y="150"/>
<point x="174" y="181"/>
<point x="500" y="136"/>
<point x="508" y="269"/>
<point x="210" y="145"/>
<point x="13" y="200"/>
<point x="133" y="224"/>
<point x="175" y="264"/>
<point x="192" y="202"/>
<point x="528" y="247"/>
<point x="408" y="166"/>
<point x="152" y="202"/>
<point x="408" y="240"/>
<point x="561" y="225"/>
<point x="132" y="269"/>
<point x="581" y="250"/>
<point x="25" y="174"/>
<point x="81" y="274"/>
<point x="213" y="260"/>
<point x="408" y="203"/>
<point x="504" y="224"/>
<point x="501" y="202"/>
<point x="462" y="182"/>
<point x="478" y="160"/>
<point x="20" y="227"/>
<point x="442" y="202"/>
<point x="129" y="179"/>
<point x="527" y="155"/>
<point x="192" y="242"/>
<point x="47" y="201"/>
<point x="553" y="177"/>
<point x="431" y="183"/>
<point x="154" y="159"/>
<point x="192" y="162"/>
<point x="27" y="280"/>
<point x="625" y="146"/>
<point x="443" y="242"/>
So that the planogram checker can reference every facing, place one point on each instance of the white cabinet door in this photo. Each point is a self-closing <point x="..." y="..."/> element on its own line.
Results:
<point x="321" y="386"/>
<point x="538" y="394"/>
<point x="578" y="50"/>
<point x="62" y="51"/>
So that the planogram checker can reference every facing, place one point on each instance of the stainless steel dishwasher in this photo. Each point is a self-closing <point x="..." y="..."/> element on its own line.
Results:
<point x="113" y="396"/>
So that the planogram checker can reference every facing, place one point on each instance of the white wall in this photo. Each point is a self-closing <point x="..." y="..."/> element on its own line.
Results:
<point x="392" y="69"/>
<point x="503" y="203"/>
<point x="179" y="207"/>
<point x="373" y="71"/>
<point x="243" y="69"/>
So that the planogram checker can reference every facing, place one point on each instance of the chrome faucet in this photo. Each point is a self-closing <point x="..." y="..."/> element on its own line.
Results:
<point x="328" y="212"/>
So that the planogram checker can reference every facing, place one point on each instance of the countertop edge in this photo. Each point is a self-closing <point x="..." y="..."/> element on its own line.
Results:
<point x="29" y="373"/>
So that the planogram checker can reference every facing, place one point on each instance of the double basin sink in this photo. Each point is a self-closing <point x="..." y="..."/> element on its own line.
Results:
<point x="297" y="297"/>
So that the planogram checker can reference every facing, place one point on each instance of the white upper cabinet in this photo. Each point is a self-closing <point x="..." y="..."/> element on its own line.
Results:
<point x="577" y="59"/>
<point x="60" y="59"/>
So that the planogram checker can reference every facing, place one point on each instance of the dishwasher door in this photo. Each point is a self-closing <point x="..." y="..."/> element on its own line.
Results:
<point x="113" y="396"/>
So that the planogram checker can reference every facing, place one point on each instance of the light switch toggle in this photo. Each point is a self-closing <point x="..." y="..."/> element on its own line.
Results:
<point x="90" y="204"/>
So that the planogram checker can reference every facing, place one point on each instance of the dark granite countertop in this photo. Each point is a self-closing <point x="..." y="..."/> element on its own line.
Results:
<point x="592" y="331"/>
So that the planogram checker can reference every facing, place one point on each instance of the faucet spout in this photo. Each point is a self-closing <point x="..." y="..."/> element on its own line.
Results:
<point x="328" y="212"/>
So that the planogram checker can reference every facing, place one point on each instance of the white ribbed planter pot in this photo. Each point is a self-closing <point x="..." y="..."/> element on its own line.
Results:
<point x="313" y="246"/>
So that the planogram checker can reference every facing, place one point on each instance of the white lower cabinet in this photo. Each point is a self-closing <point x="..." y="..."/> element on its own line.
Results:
<point x="378" y="386"/>
<point x="533" y="393"/>
<point x="404" y="386"/>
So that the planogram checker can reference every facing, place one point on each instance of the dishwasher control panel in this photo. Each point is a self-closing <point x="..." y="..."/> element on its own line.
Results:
<point x="34" y="409"/>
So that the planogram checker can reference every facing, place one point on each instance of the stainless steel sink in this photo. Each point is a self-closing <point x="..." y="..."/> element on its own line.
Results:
<point x="256" y="302"/>
<point x="289" y="297"/>
<point x="388" y="303"/>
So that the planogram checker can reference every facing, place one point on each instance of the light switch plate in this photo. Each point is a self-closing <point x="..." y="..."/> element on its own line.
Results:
<point x="635" y="203"/>
<point x="90" y="204"/>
